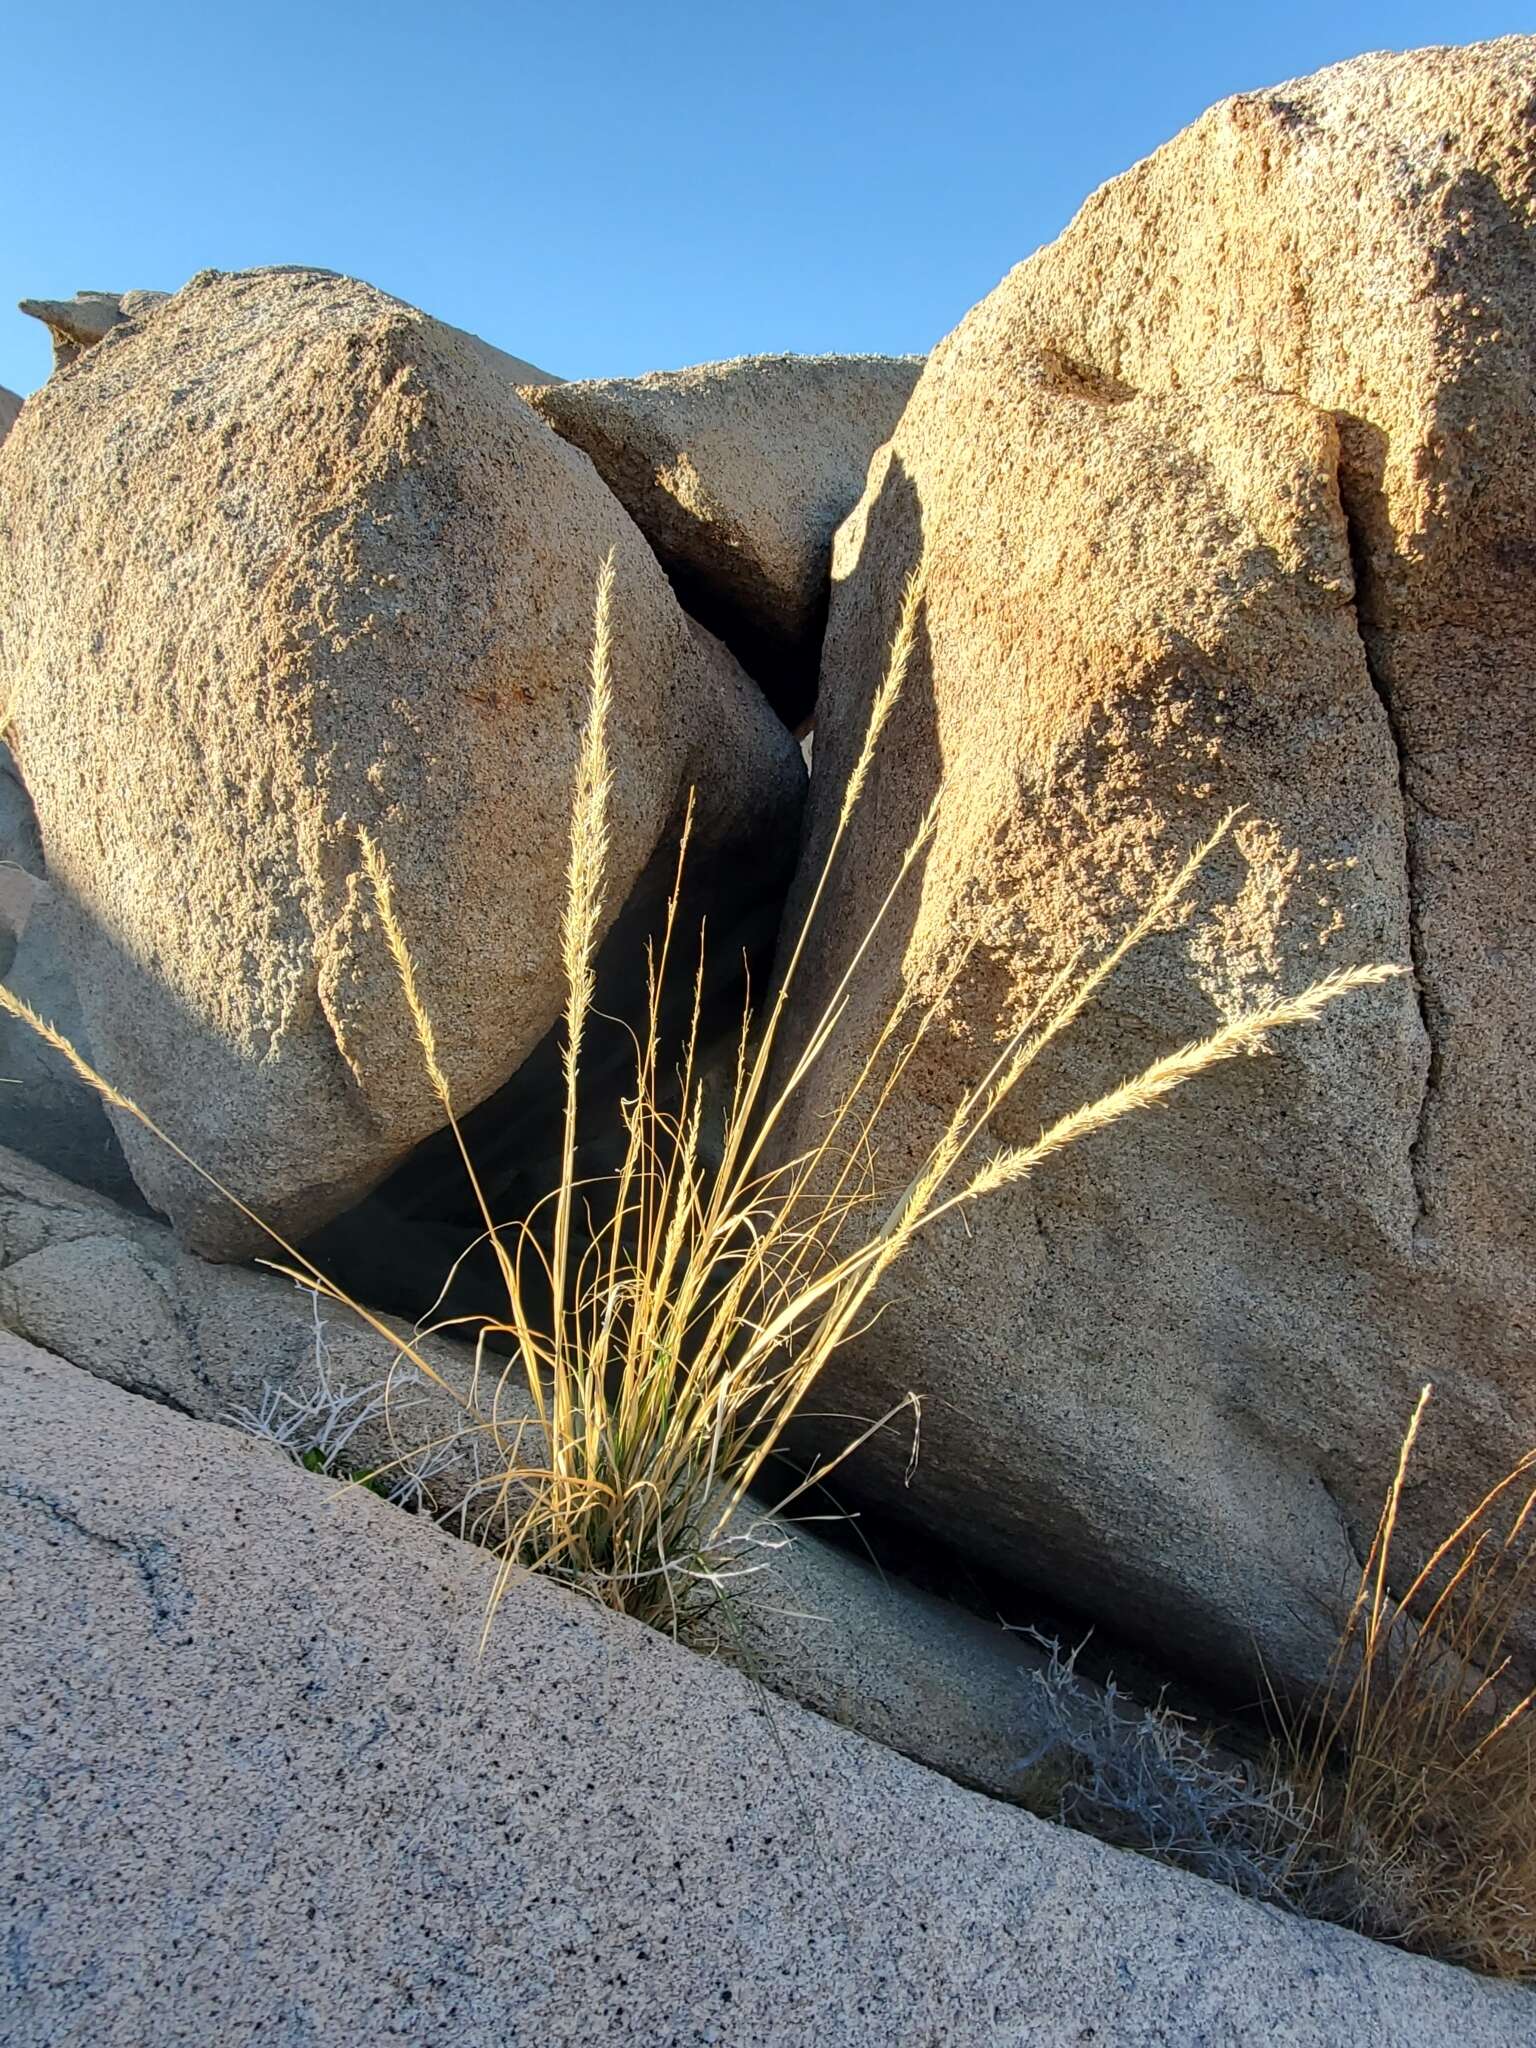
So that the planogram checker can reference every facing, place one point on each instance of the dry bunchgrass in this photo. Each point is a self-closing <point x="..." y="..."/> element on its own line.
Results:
<point x="659" y="1333"/>
<point x="1417" y="1772"/>
<point x="1402" y="1803"/>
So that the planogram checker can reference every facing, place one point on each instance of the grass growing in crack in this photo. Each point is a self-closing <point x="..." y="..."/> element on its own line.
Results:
<point x="1418" y="1769"/>
<point x="655" y="1343"/>
<point x="1402" y="1803"/>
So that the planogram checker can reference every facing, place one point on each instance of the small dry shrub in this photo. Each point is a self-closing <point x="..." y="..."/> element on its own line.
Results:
<point x="1149" y="1779"/>
<point x="1418" y="1772"/>
<point x="1402" y="1804"/>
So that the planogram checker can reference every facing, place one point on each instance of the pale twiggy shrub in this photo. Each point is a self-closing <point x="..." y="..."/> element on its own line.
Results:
<point x="320" y="1423"/>
<point x="1149" y="1779"/>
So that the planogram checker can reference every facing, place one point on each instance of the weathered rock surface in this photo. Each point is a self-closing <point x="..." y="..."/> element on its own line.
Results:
<point x="885" y="1659"/>
<point x="281" y="560"/>
<point x="1243" y="466"/>
<point x="10" y="407"/>
<point x="114" y="1294"/>
<point x="76" y="324"/>
<point x="79" y="323"/>
<point x="739" y="474"/>
<point x="261" y="1785"/>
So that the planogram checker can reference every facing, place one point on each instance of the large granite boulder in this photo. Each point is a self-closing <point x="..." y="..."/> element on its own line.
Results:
<point x="1227" y="498"/>
<point x="739" y="474"/>
<point x="282" y="559"/>
<point x="262" y="1783"/>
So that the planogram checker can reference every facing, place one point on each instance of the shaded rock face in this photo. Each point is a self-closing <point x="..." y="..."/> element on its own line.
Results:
<point x="10" y="407"/>
<point x="249" y="1721"/>
<point x="1243" y="466"/>
<point x="45" y="1110"/>
<point x="739" y="474"/>
<point x="397" y="1247"/>
<point x="280" y="560"/>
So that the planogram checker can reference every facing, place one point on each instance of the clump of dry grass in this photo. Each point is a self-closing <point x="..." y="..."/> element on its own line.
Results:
<point x="659" y="1333"/>
<point x="1402" y="1803"/>
<point x="1417" y="1770"/>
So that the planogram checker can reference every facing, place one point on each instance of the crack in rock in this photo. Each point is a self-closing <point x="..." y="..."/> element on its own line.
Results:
<point x="1359" y="556"/>
<point x="157" y="1569"/>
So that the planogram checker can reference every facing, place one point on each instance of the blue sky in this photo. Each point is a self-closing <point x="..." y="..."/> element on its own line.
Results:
<point x="608" y="188"/>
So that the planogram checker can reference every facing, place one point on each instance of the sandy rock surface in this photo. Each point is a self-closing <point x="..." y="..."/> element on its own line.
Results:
<point x="282" y="559"/>
<point x="586" y="1835"/>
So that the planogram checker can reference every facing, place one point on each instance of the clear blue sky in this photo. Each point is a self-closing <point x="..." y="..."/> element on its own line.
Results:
<point x="609" y="188"/>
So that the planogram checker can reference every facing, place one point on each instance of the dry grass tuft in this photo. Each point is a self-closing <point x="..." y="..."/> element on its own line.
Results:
<point x="1418" y="1771"/>
<point x="1403" y="1804"/>
<point x="660" y="1332"/>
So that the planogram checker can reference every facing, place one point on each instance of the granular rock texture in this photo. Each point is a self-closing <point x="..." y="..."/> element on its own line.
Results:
<point x="739" y="474"/>
<point x="1227" y="498"/>
<point x="283" y="560"/>
<point x="261" y="1785"/>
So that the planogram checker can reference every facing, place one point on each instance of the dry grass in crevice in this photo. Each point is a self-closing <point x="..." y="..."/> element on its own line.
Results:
<point x="658" y="1333"/>
<point x="1402" y="1803"/>
<point x="1418" y="1768"/>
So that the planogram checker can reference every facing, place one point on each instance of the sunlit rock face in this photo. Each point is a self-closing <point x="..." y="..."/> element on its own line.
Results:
<point x="283" y="560"/>
<point x="1225" y="499"/>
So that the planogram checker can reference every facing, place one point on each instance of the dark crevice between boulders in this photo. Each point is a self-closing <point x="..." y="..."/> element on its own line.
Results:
<point x="785" y="668"/>
<point x="843" y="1518"/>
<point x="784" y="662"/>
<point x="395" y="1249"/>
<point x="1362" y="450"/>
